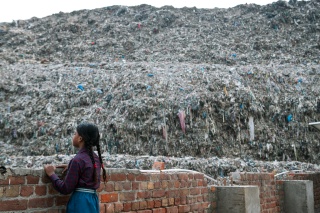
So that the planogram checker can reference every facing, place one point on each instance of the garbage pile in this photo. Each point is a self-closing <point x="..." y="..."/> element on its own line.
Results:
<point x="246" y="34"/>
<point x="197" y="85"/>
<point x="213" y="167"/>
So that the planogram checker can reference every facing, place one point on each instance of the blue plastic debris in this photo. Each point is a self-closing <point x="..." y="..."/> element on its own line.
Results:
<point x="289" y="118"/>
<point x="80" y="87"/>
<point x="234" y="55"/>
<point x="204" y="115"/>
<point x="99" y="91"/>
<point x="148" y="87"/>
<point x="93" y="65"/>
<point x="241" y="106"/>
<point x="181" y="89"/>
<point x="150" y="75"/>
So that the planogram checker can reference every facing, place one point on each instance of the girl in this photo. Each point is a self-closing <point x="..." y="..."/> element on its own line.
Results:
<point x="83" y="172"/>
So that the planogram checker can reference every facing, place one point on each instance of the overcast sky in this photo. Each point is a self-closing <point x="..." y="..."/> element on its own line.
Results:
<point x="25" y="9"/>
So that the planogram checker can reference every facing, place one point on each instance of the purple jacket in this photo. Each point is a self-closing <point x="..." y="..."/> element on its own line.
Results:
<point x="79" y="174"/>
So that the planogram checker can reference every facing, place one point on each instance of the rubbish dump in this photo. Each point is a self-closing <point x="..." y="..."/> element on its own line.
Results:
<point x="189" y="85"/>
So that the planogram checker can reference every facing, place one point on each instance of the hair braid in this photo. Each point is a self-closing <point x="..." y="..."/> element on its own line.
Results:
<point x="103" y="169"/>
<point x="88" y="145"/>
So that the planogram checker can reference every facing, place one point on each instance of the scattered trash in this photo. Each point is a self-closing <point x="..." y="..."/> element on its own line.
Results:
<point x="184" y="83"/>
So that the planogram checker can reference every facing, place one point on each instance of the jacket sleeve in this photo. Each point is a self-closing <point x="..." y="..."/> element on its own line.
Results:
<point x="71" y="179"/>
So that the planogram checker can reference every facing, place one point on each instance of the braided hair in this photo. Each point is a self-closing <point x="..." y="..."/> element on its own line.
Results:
<point x="90" y="134"/>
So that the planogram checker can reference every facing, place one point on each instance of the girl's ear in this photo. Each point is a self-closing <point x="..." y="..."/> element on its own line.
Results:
<point x="80" y="138"/>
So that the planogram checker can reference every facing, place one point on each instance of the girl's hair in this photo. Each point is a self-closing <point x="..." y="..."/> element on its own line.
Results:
<point x="90" y="134"/>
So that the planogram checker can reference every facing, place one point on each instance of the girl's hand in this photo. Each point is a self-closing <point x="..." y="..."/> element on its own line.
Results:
<point x="49" y="169"/>
<point x="64" y="166"/>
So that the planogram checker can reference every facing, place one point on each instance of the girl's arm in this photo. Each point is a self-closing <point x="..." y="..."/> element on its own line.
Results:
<point x="71" y="179"/>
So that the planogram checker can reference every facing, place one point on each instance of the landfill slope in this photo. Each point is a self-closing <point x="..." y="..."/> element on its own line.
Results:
<point x="238" y="83"/>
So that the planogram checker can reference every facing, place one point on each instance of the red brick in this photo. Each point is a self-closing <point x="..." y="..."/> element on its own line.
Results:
<point x="195" y="206"/>
<point x="135" y="206"/>
<point x="200" y="182"/>
<point x="40" y="202"/>
<point x="26" y="191"/>
<point x="158" y="193"/>
<point x="198" y="176"/>
<point x="158" y="166"/>
<point x="184" y="192"/>
<point x="190" y="176"/>
<point x="102" y="208"/>
<point x="204" y="190"/>
<point x="171" y="184"/>
<point x="213" y="189"/>
<point x="176" y="184"/>
<point x="32" y="179"/>
<point x="171" y="201"/>
<point x="195" y="191"/>
<point x="13" y="205"/>
<point x="177" y="201"/>
<point x="62" y="200"/>
<point x="164" y="176"/>
<point x="108" y="198"/>
<point x="154" y="177"/>
<point x="157" y="185"/>
<point x="159" y="210"/>
<point x="183" y="184"/>
<point x="118" y="177"/>
<point x="171" y="193"/>
<point x="205" y="205"/>
<point x="12" y="191"/>
<point x="165" y="202"/>
<point x="157" y="203"/>
<point x="183" y="176"/>
<point x="172" y="209"/>
<point x="127" y="196"/>
<point x="143" y="204"/>
<point x="41" y="190"/>
<point x="135" y="185"/>
<point x="118" y="186"/>
<point x="110" y="207"/>
<point x="150" y="204"/>
<point x="150" y="185"/>
<point x="143" y="186"/>
<point x="183" y="200"/>
<point x="164" y="184"/>
<point x="126" y="207"/>
<point x="126" y="185"/>
<point x="118" y="207"/>
<point x="110" y="187"/>
<point x="143" y="177"/>
<point x="144" y="194"/>
<point x="184" y="208"/>
<point x="16" y="180"/>
<point x="131" y="177"/>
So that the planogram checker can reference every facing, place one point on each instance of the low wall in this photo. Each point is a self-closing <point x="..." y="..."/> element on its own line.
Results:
<point x="24" y="190"/>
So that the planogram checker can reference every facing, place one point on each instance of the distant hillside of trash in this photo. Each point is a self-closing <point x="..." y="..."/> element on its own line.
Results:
<point x="246" y="34"/>
<point x="241" y="82"/>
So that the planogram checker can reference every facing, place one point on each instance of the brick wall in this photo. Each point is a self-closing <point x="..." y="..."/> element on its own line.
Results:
<point x="24" y="190"/>
<point x="269" y="198"/>
<point x="315" y="177"/>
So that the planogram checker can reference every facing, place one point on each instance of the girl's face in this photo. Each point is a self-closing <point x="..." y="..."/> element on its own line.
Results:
<point x="76" y="140"/>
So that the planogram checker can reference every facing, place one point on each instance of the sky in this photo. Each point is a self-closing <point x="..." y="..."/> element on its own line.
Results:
<point x="24" y="9"/>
